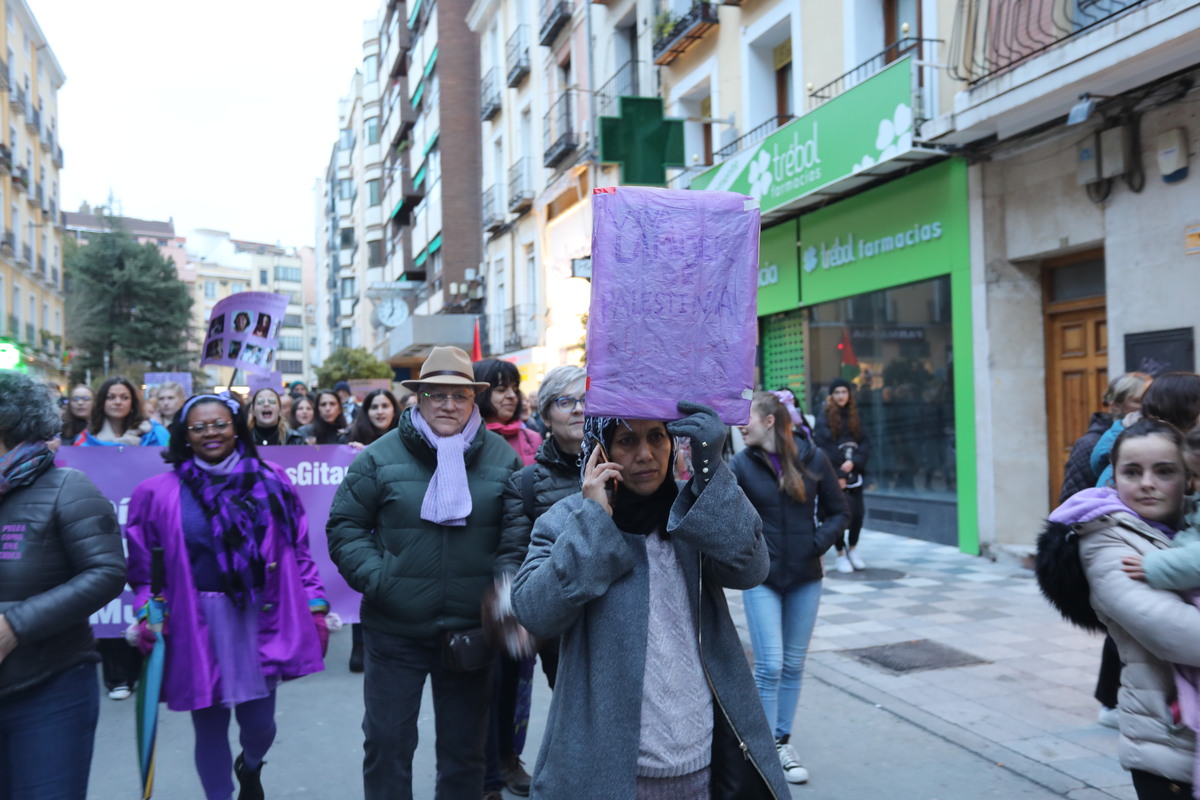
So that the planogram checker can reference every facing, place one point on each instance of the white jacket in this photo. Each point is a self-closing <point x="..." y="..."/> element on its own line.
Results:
<point x="1153" y="629"/>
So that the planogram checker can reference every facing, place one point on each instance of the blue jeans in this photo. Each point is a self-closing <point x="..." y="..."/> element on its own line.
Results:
<point x="46" y="737"/>
<point x="781" y="626"/>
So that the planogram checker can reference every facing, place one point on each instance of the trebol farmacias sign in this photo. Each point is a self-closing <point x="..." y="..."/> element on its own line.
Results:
<point x="867" y="125"/>
<point x="910" y="229"/>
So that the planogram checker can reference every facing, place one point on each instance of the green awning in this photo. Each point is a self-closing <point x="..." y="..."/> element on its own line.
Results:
<point x="396" y="210"/>
<point x="430" y="63"/>
<point x="419" y="178"/>
<point x="416" y="98"/>
<point x="436" y="244"/>
<point x="420" y="259"/>
<point x="429" y="145"/>
<point x="412" y="18"/>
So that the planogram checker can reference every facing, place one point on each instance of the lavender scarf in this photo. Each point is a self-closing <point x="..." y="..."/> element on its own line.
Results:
<point x="241" y="496"/>
<point x="448" y="498"/>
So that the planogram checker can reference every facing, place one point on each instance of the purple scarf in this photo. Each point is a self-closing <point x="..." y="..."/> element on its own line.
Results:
<point x="21" y="465"/>
<point x="448" y="498"/>
<point x="241" y="496"/>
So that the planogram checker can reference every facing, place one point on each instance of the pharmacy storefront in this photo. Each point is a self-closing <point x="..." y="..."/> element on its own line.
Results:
<point x="864" y="274"/>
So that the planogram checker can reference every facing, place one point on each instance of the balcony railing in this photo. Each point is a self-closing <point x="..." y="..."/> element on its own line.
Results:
<point x="625" y="82"/>
<point x="5" y="82"/>
<point x="41" y="267"/>
<point x="520" y="327"/>
<point x="16" y="98"/>
<point x="489" y="97"/>
<point x="990" y="37"/>
<point x="31" y="197"/>
<point x="555" y="16"/>
<point x="493" y="215"/>
<point x="520" y="186"/>
<point x="27" y="253"/>
<point x="21" y="178"/>
<point x="674" y="35"/>
<point x="8" y="241"/>
<point x="41" y="195"/>
<point x="559" y="133"/>
<point x="922" y="50"/>
<point x="5" y="159"/>
<point x="753" y="136"/>
<point x="516" y="56"/>
<point x="58" y="156"/>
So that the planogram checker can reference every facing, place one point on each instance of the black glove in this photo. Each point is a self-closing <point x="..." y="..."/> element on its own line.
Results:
<point x="707" y="432"/>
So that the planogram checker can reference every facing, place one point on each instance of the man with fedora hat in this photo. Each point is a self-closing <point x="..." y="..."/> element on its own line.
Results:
<point x="415" y="527"/>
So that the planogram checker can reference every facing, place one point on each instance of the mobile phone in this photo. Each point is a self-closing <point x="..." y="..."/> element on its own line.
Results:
<point x="604" y="455"/>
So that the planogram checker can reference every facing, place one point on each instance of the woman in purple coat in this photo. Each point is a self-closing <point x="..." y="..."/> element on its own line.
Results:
<point x="245" y="604"/>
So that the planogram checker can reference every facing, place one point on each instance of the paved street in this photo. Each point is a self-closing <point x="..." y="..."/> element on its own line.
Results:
<point x="1020" y="725"/>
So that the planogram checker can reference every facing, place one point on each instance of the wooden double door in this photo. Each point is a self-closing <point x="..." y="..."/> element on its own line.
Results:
<point x="1076" y="377"/>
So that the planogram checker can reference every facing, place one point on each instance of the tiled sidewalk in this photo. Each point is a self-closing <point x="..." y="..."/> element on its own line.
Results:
<point x="1030" y="707"/>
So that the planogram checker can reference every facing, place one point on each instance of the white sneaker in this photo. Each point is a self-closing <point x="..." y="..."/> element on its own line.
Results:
<point x="792" y="771"/>
<point x="119" y="693"/>
<point x="1108" y="717"/>
<point x="844" y="565"/>
<point x="855" y="560"/>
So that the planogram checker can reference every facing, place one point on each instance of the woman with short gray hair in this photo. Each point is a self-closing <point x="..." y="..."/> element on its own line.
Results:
<point x="60" y="560"/>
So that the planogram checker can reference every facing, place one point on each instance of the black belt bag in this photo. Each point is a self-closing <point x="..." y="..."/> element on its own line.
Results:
<point x="466" y="651"/>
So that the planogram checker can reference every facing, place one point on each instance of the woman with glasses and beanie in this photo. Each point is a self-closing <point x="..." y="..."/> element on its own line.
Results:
<point x="245" y="605"/>
<point x="68" y="564"/>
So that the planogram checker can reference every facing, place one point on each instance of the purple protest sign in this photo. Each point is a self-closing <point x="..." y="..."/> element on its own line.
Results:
<point x="155" y="379"/>
<point x="243" y="331"/>
<point x="316" y="472"/>
<point x="674" y="303"/>
<point x="272" y="381"/>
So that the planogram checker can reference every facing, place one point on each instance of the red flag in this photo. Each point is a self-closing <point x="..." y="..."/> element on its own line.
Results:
<point x="476" y="349"/>
<point x="847" y="349"/>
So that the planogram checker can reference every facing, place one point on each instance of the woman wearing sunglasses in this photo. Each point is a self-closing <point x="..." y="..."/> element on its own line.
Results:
<point x="245" y="605"/>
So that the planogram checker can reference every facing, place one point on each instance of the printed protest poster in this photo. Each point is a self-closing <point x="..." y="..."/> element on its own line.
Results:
<point x="153" y="380"/>
<point x="243" y="331"/>
<point x="673" y="312"/>
<point x="315" y="471"/>
<point x="272" y="381"/>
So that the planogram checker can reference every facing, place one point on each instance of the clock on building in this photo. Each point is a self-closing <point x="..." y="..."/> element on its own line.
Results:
<point x="392" y="311"/>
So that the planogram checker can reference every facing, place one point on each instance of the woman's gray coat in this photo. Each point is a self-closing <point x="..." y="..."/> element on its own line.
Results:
<point x="588" y="581"/>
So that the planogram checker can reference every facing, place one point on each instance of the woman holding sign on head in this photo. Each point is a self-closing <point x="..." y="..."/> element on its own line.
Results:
<point x="631" y="573"/>
<point x="60" y="560"/>
<point x="245" y="605"/>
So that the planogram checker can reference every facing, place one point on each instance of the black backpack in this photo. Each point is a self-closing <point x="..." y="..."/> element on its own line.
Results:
<point x="1061" y="577"/>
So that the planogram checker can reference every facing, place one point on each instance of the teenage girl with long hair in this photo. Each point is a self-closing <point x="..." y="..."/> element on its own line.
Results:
<point x="839" y="432"/>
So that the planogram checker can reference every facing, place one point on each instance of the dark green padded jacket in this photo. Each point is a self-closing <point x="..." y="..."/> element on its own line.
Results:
<point x="418" y="579"/>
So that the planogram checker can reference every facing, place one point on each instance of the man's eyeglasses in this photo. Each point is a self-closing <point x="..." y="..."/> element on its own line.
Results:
<point x="439" y="398"/>
<point x="201" y="427"/>
<point x="568" y="403"/>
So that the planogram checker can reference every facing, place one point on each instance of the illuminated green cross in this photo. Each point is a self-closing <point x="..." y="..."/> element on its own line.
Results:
<point x="642" y="141"/>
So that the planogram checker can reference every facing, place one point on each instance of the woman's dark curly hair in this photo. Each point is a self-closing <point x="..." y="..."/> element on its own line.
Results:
<point x="497" y="373"/>
<point x="362" y="430"/>
<point x="28" y="410"/>
<point x="132" y="419"/>
<point x="326" y="432"/>
<point x="178" y="450"/>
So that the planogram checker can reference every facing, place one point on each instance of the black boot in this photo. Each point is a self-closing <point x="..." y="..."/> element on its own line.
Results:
<point x="356" y="647"/>
<point x="249" y="780"/>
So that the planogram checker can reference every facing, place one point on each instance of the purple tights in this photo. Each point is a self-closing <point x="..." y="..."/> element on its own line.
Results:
<point x="214" y="760"/>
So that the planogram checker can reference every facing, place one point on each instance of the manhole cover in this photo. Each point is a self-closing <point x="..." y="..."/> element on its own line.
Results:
<point x="903" y="657"/>
<point x="866" y="575"/>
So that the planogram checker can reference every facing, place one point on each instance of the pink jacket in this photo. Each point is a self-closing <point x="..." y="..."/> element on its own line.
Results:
<point x="523" y="440"/>
<point x="287" y="640"/>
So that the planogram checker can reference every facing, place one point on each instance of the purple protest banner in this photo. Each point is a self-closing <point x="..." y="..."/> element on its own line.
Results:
<point x="155" y="379"/>
<point x="316" y="472"/>
<point x="243" y="331"/>
<point x="674" y="303"/>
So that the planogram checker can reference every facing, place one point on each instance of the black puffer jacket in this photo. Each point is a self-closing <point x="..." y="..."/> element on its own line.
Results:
<point x="70" y="564"/>
<point x="555" y="475"/>
<point x="797" y="534"/>
<point x="833" y="446"/>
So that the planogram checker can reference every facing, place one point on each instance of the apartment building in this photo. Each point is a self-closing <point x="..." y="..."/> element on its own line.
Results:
<point x="539" y="67"/>
<point x="31" y="288"/>
<point x="285" y="271"/>
<point x="350" y="255"/>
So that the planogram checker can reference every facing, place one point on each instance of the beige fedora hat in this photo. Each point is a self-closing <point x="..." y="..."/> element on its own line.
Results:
<point x="449" y="366"/>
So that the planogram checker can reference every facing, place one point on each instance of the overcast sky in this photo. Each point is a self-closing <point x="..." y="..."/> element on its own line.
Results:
<point x="221" y="114"/>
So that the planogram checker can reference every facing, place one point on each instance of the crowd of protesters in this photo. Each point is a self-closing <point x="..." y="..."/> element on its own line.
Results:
<point x="487" y="531"/>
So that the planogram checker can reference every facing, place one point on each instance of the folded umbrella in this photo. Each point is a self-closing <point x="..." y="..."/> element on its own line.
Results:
<point x="150" y="685"/>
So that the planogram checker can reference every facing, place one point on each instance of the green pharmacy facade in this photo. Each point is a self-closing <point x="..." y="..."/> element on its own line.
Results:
<point x="864" y="274"/>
